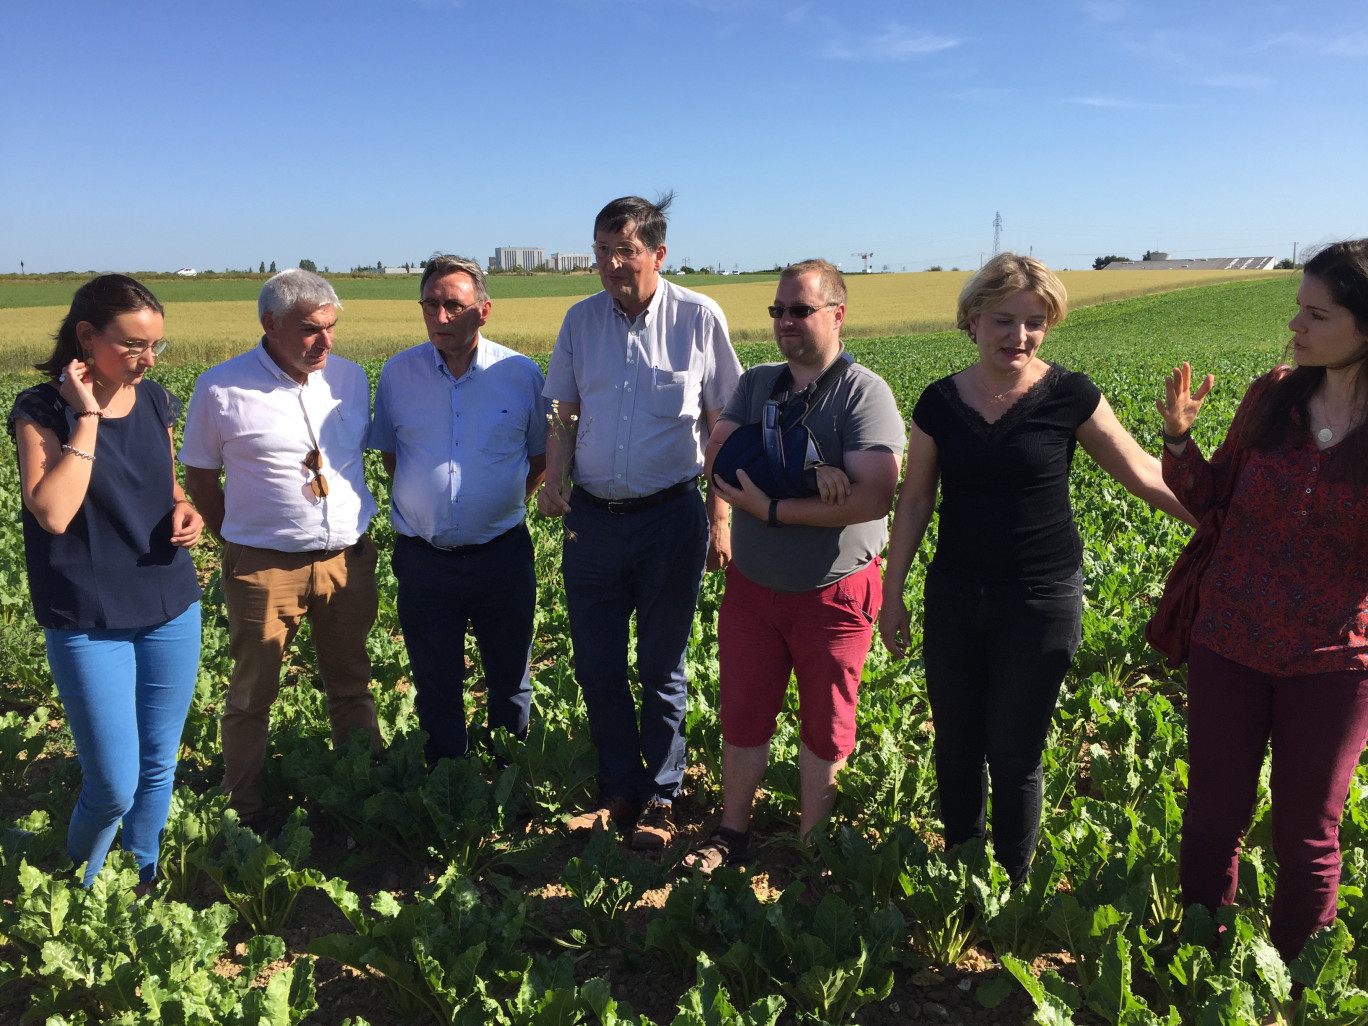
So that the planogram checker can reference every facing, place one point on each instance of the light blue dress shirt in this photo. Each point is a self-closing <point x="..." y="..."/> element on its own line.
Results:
<point x="462" y="445"/>
<point x="643" y="386"/>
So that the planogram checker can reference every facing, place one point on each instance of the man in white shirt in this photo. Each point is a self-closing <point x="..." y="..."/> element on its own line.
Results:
<point x="285" y="424"/>
<point x="461" y="427"/>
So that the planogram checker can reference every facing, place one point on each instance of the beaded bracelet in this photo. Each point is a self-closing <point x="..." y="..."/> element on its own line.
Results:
<point x="90" y="413"/>
<point x="73" y="451"/>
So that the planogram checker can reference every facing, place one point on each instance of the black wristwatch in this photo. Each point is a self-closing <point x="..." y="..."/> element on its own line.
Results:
<point x="774" y="514"/>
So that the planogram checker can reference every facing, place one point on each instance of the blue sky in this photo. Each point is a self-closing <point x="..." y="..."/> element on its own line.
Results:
<point x="153" y="136"/>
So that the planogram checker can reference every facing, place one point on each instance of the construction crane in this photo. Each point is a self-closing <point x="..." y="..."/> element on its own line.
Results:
<point x="865" y="257"/>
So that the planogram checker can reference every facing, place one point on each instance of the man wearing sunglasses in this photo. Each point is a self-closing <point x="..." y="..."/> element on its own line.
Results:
<point x="284" y="424"/>
<point x="638" y="377"/>
<point x="803" y="589"/>
<point x="461" y="428"/>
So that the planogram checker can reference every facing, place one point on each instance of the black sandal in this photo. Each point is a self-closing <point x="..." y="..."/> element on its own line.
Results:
<point x="722" y="848"/>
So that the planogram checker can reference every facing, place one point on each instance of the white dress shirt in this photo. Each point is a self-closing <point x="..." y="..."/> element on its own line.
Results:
<point x="256" y="422"/>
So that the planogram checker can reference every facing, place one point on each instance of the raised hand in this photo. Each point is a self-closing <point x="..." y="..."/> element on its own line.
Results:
<point x="76" y="386"/>
<point x="1180" y="404"/>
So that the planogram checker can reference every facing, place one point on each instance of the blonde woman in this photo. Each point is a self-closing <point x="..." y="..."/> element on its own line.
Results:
<point x="1004" y="591"/>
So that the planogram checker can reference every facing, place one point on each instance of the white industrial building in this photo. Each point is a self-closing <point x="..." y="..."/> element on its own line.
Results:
<point x="1161" y="262"/>
<point x="528" y="258"/>
<point x="570" y="261"/>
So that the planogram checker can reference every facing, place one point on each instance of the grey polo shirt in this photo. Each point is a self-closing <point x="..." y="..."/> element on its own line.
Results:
<point x="642" y="386"/>
<point x="856" y="414"/>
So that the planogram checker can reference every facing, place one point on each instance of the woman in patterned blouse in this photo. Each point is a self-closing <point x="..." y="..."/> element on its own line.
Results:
<point x="1280" y="644"/>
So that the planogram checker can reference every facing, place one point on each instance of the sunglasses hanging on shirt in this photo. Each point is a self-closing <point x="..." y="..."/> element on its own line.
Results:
<point x="318" y="484"/>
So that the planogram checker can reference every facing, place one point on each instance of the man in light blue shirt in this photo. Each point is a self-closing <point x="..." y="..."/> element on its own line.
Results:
<point x="461" y="428"/>
<point x="640" y="373"/>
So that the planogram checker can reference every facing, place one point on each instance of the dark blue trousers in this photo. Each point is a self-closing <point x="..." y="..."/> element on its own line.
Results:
<point x="995" y="656"/>
<point x="648" y="562"/>
<point x="493" y="589"/>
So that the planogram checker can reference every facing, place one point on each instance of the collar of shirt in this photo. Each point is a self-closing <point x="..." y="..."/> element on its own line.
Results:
<point x="652" y="310"/>
<point x="274" y="369"/>
<point x="477" y="361"/>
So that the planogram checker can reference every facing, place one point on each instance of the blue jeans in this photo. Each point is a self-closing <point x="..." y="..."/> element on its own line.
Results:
<point x="125" y="693"/>
<point x="493" y="588"/>
<point x="648" y="562"/>
<point x="995" y="656"/>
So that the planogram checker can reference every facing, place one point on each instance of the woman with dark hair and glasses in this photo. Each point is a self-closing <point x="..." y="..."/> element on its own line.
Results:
<point x="1004" y="590"/>
<point x="106" y="536"/>
<point x="1279" y="650"/>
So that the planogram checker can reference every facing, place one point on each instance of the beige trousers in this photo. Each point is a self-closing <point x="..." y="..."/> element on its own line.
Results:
<point x="268" y="593"/>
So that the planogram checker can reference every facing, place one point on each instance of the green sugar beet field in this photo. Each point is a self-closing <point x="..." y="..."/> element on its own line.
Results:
<point x="394" y="895"/>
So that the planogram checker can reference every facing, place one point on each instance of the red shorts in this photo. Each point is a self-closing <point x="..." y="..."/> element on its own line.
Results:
<point x="821" y="637"/>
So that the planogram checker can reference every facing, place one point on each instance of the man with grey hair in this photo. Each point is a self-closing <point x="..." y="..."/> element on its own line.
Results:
<point x="285" y="424"/>
<point x="461" y="428"/>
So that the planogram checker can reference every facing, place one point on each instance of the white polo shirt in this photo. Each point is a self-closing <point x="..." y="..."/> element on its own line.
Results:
<point x="258" y="424"/>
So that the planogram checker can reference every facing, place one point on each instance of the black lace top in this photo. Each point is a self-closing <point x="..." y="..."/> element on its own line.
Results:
<point x="114" y="566"/>
<point x="1004" y="509"/>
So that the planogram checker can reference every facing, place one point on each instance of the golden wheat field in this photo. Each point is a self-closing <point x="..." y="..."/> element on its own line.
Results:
<point x="880" y="305"/>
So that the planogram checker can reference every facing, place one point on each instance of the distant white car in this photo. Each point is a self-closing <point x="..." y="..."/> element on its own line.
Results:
<point x="187" y="272"/>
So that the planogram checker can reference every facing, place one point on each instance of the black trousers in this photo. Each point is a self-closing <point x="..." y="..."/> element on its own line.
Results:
<point x="490" y="589"/>
<point x="995" y="656"/>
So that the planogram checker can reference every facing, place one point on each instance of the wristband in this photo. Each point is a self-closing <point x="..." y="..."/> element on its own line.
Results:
<point x="90" y="413"/>
<point x="774" y="514"/>
<point x="1176" y="439"/>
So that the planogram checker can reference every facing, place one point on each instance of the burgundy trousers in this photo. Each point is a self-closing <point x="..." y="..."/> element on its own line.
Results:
<point x="1316" y="724"/>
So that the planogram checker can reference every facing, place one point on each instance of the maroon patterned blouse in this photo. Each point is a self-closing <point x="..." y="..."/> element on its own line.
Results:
<point x="1286" y="591"/>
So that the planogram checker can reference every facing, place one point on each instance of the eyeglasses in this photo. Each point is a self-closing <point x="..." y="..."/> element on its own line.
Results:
<point x="453" y="308"/>
<point x="798" y="311"/>
<point x="624" y="254"/>
<point x="137" y="348"/>
<point x="319" y="483"/>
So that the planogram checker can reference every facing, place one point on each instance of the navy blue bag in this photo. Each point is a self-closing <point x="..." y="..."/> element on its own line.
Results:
<point x="779" y="453"/>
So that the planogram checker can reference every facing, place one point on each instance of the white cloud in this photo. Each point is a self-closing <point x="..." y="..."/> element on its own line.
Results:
<point x="1346" y="44"/>
<point x="1117" y="102"/>
<point x="1105" y="11"/>
<point x="984" y="94"/>
<point x="1354" y="44"/>
<point x="894" y="43"/>
<point x="1235" y="80"/>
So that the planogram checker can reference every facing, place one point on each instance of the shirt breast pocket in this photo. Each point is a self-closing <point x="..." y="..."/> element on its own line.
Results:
<point x="667" y="392"/>
<point x="502" y="432"/>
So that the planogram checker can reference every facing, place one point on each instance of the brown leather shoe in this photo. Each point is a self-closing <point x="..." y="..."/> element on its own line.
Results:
<point x="609" y="810"/>
<point x="654" y="827"/>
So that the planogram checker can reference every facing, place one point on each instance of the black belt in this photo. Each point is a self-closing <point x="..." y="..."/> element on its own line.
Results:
<point x="632" y="505"/>
<point x="460" y="550"/>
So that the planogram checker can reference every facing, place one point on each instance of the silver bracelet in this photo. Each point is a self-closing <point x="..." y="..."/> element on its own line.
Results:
<point x="73" y="451"/>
